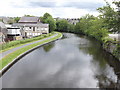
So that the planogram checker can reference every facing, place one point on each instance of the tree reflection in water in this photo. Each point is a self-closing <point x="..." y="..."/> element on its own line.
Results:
<point x="48" y="47"/>
<point x="108" y="78"/>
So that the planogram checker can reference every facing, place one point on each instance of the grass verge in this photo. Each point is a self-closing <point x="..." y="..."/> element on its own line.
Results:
<point x="10" y="57"/>
<point x="7" y="46"/>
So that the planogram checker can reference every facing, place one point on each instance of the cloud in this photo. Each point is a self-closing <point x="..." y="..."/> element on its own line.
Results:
<point x="42" y="4"/>
<point x="84" y="5"/>
<point x="57" y="8"/>
<point x="90" y="4"/>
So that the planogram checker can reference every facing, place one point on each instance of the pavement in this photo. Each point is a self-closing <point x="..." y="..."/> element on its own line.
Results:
<point x="3" y="54"/>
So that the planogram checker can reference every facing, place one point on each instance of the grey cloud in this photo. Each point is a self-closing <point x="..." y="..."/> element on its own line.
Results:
<point x="83" y="5"/>
<point x="79" y="5"/>
<point x="42" y="4"/>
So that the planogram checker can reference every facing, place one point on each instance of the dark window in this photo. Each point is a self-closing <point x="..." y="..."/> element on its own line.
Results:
<point x="33" y="28"/>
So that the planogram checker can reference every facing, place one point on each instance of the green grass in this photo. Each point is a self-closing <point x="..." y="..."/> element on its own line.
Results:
<point x="10" y="57"/>
<point x="13" y="44"/>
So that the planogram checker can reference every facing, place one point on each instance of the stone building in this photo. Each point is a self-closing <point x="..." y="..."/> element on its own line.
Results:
<point x="31" y="26"/>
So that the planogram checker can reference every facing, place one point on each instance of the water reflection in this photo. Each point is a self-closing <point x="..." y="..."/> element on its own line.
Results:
<point x="48" y="47"/>
<point x="72" y="62"/>
<point x="106" y="65"/>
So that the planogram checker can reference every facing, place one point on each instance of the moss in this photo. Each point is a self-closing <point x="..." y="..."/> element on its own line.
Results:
<point x="116" y="52"/>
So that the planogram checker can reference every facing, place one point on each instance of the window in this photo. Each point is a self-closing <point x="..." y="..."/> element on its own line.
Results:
<point x="33" y="28"/>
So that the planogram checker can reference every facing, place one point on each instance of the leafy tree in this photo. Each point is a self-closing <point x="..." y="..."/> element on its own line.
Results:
<point x="16" y="19"/>
<point x="52" y="23"/>
<point x="46" y="15"/>
<point x="62" y="25"/>
<point x="10" y="21"/>
<point x="71" y="28"/>
<point x="92" y="26"/>
<point x="117" y="3"/>
<point x="109" y="16"/>
<point x="47" y="18"/>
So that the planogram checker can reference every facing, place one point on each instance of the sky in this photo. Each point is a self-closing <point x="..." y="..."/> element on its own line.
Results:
<point x="57" y="8"/>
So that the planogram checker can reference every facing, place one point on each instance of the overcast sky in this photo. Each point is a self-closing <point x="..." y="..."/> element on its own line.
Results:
<point x="57" y="8"/>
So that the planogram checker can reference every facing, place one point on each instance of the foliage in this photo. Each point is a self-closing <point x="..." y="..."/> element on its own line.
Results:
<point x="10" y="21"/>
<point x="71" y="28"/>
<point x="62" y="25"/>
<point x="92" y="26"/>
<point x="47" y="18"/>
<point x="109" y="16"/>
<point x="52" y="23"/>
<point x="16" y="19"/>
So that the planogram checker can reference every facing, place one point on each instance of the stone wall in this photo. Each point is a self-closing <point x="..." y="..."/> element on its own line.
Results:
<point x="113" y="48"/>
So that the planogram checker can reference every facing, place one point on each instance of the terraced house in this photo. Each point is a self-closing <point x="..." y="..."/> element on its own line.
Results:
<point x="31" y="26"/>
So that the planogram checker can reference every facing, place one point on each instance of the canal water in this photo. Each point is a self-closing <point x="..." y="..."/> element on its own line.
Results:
<point x="75" y="61"/>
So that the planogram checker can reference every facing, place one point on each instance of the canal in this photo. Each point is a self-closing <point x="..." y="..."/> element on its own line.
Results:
<point x="75" y="61"/>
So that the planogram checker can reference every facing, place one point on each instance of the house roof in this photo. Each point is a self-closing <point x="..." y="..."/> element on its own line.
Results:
<point x="5" y="19"/>
<point x="30" y="25"/>
<point x="2" y="25"/>
<point x="28" y="19"/>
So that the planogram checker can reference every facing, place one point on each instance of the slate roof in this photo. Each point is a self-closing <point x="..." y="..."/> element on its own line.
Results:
<point x="2" y="25"/>
<point x="30" y="25"/>
<point x="28" y="19"/>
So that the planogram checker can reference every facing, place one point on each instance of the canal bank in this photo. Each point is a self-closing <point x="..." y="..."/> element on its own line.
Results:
<point x="110" y="45"/>
<point x="113" y="48"/>
<point x="16" y="55"/>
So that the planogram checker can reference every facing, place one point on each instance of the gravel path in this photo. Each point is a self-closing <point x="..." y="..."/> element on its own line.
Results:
<point x="14" y="49"/>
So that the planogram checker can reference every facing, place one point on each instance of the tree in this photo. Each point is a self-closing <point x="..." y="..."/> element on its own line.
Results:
<point x="71" y="28"/>
<point x="62" y="25"/>
<point x="46" y="15"/>
<point x="52" y="23"/>
<point x="10" y="21"/>
<point x="92" y="26"/>
<point x="117" y="3"/>
<point x="109" y="16"/>
<point x="47" y="18"/>
<point x="16" y="19"/>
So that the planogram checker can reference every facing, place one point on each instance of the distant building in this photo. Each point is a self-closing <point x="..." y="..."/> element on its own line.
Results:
<point x="3" y="32"/>
<point x="31" y="26"/>
<point x="73" y="21"/>
<point x="7" y="20"/>
<point x="14" y="33"/>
